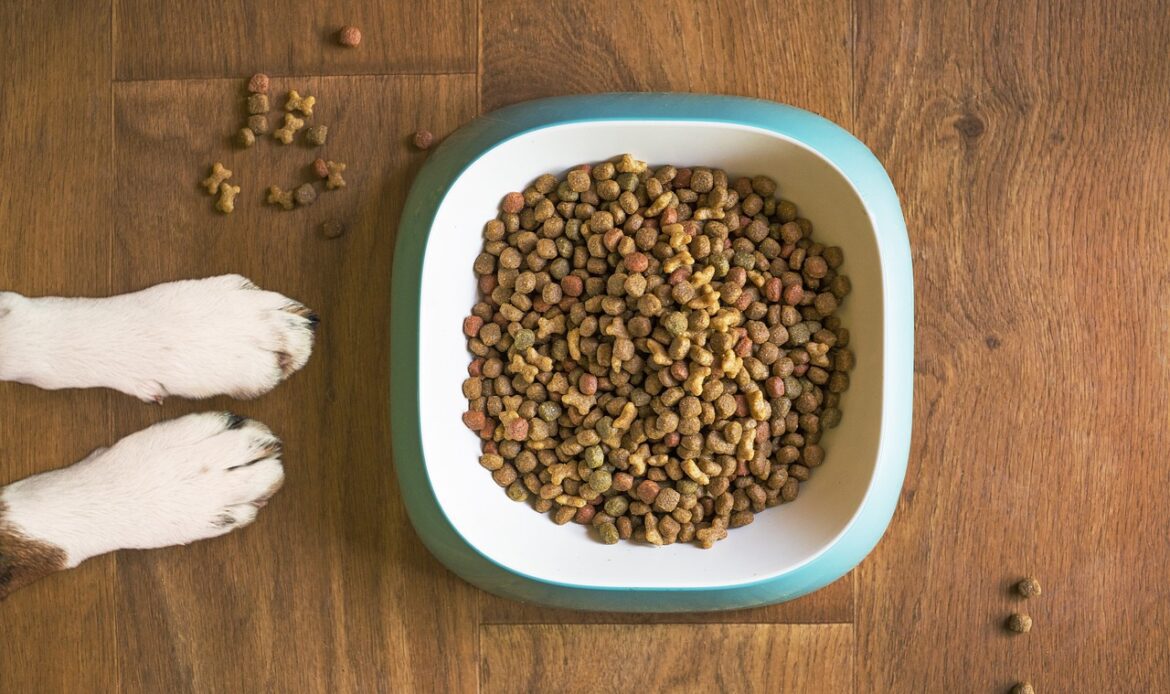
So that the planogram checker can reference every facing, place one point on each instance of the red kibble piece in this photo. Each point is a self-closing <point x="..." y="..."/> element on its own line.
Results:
<point x="475" y="368"/>
<point x="517" y="429"/>
<point x="741" y="406"/>
<point x="648" y="491"/>
<point x="743" y="348"/>
<point x="736" y="276"/>
<point x="540" y="305"/>
<point x="490" y="447"/>
<point x="258" y="84"/>
<point x="612" y="238"/>
<point x="773" y="289"/>
<point x="349" y="37"/>
<point x="487" y="284"/>
<point x="622" y="481"/>
<point x="321" y="168"/>
<point x="513" y="203"/>
<point x="800" y="369"/>
<point x="572" y="285"/>
<point x="423" y="139"/>
<point x="741" y="469"/>
<point x="774" y="387"/>
<point x="471" y="325"/>
<point x="680" y="275"/>
<point x="474" y="420"/>
<point x="793" y="294"/>
<point x="672" y="439"/>
<point x="587" y="384"/>
<point x="680" y="371"/>
<point x="744" y="301"/>
<point x="637" y="262"/>
<point x="669" y="215"/>
<point x="488" y="431"/>
<point x="682" y="178"/>
<point x="763" y="432"/>
<point x="585" y="514"/>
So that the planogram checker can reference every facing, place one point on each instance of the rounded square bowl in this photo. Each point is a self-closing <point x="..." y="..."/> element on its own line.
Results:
<point x="508" y="549"/>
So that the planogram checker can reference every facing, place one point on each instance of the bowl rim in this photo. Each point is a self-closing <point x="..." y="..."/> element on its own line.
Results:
<point x="842" y="150"/>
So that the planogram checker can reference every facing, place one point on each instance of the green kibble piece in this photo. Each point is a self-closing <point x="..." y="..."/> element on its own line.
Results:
<point x="594" y="457"/>
<point x="617" y="506"/>
<point x="548" y="411"/>
<point x="627" y="181"/>
<point x="517" y="492"/>
<point x="675" y="323"/>
<point x="523" y="339"/>
<point x="600" y="480"/>
<point x="609" y="533"/>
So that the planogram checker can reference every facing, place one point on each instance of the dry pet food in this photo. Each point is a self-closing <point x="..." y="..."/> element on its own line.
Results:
<point x="258" y="84"/>
<point x="316" y="134"/>
<point x="258" y="104"/>
<point x="245" y="138"/>
<point x="258" y="124"/>
<point x="291" y="125"/>
<point x="305" y="194"/>
<point x="296" y="102"/>
<point x="320" y="168"/>
<point x="284" y="198"/>
<point x="349" y="37"/>
<point x="1023" y="688"/>
<point x="1029" y="587"/>
<point x="1019" y="623"/>
<point x="423" y="139"/>
<point x="333" y="176"/>
<point x="656" y="352"/>
<point x="227" y="198"/>
<point x="332" y="229"/>
<point x="218" y="175"/>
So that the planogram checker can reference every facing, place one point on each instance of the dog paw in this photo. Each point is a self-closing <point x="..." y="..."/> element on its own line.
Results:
<point x="177" y="482"/>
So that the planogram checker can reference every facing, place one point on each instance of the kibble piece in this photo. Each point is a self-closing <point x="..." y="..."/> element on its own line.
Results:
<point x="284" y="198"/>
<point x="227" y="198"/>
<point x="245" y="138"/>
<point x="1023" y="688"/>
<point x="423" y="139"/>
<point x="332" y="229"/>
<point x="320" y="168"/>
<point x="334" y="179"/>
<point x="258" y="124"/>
<point x="258" y="84"/>
<point x="258" y="104"/>
<point x="296" y="102"/>
<point x="1019" y="623"/>
<point x="1029" y="587"/>
<point x="316" y="135"/>
<point x="349" y="36"/>
<point x="291" y="125"/>
<point x="218" y="175"/>
<point x="305" y="194"/>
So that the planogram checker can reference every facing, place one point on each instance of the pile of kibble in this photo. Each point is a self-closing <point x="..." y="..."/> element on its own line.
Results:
<point x="655" y="352"/>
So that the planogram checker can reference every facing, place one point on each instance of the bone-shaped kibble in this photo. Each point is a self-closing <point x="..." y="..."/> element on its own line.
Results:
<point x="296" y="102"/>
<point x="227" y="198"/>
<point x="218" y="175"/>
<point x="291" y="125"/>
<point x="549" y="326"/>
<point x="579" y="401"/>
<point x="334" y="180"/>
<point x="284" y="198"/>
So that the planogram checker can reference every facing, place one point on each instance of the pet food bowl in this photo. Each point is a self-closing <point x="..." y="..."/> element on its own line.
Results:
<point x="507" y="548"/>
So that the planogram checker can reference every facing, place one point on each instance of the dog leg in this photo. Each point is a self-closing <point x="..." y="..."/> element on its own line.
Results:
<point x="187" y="479"/>
<point x="193" y="339"/>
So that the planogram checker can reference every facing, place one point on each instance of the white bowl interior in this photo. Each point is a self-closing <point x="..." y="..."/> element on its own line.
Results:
<point x="515" y="536"/>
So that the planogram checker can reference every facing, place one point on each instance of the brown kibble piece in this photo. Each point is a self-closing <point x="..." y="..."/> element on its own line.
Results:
<point x="258" y="84"/>
<point x="1023" y="688"/>
<point x="349" y="36"/>
<point x="284" y="198"/>
<point x="512" y="203"/>
<point x="245" y="138"/>
<point x="296" y="102"/>
<point x="474" y="420"/>
<point x="258" y="104"/>
<point x="334" y="179"/>
<point x="227" y="198"/>
<point x="1019" y="623"/>
<point x="648" y="491"/>
<point x="1029" y="587"/>
<point x="423" y="139"/>
<point x="291" y="125"/>
<point x="258" y="124"/>
<point x="305" y="194"/>
<point x="317" y="134"/>
<point x="218" y="175"/>
<point x="332" y="229"/>
<point x="320" y="168"/>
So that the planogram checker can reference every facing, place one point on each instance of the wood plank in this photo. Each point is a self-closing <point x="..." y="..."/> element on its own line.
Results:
<point x="228" y="38"/>
<point x="57" y="635"/>
<point x="1029" y="143"/>
<point x="796" y="52"/>
<point x="330" y="590"/>
<point x="667" y="658"/>
<point x="833" y="603"/>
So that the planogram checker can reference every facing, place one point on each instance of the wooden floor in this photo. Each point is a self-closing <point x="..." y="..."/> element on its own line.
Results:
<point x="1030" y="143"/>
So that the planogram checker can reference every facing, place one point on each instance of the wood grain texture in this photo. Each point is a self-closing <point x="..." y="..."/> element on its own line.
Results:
<point x="795" y="52"/>
<point x="1030" y="145"/>
<point x="329" y="590"/>
<point x="667" y="658"/>
<point x="831" y="604"/>
<point x="58" y="634"/>
<point x="234" y="38"/>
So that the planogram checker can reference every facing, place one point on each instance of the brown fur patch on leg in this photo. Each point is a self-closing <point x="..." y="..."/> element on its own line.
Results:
<point x="23" y="560"/>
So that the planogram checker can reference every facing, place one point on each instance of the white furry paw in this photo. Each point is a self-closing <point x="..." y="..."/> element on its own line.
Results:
<point x="176" y="482"/>
<point x="192" y="338"/>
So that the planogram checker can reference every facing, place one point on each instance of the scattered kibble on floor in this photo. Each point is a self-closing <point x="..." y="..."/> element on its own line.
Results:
<point x="218" y="175"/>
<point x="1019" y="623"/>
<point x="258" y="84"/>
<point x="227" y="198"/>
<point x="423" y="139"/>
<point x="305" y="194"/>
<point x="349" y="36"/>
<point x="258" y="124"/>
<point x="332" y="229"/>
<point x="321" y="168"/>
<point x="258" y="104"/>
<point x="316" y="135"/>
<point x="296" y="102"/>
<point x="245" y="138"/>
<point x="334" y="180"/>
<point x="1023" y="688"/>
<point x="291" y="125"/>
<point x="284" y="198"/>
<point x="1029" y="587"/>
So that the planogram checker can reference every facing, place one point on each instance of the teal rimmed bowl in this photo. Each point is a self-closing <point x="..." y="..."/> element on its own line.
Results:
<point x="505" y="547"/>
